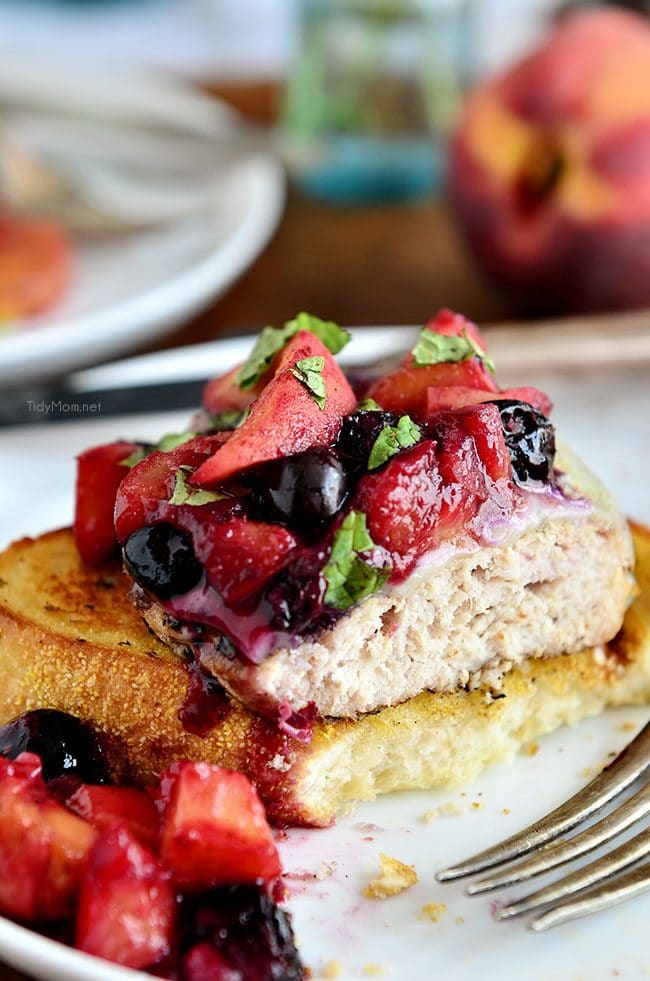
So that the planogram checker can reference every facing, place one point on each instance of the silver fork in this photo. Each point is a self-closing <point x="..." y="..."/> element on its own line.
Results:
<point x="598" y="884"/>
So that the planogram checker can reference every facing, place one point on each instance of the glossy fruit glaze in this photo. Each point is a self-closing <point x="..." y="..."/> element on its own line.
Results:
<point x="269" y="531"/>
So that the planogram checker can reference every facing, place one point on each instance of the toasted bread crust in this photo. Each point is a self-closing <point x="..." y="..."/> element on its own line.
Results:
<point x="69" y="639"/>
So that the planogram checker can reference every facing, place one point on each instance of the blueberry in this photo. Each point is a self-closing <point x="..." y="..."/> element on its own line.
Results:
<point x="303" y="490"/>
<point x="358" y="434"/>
<point x="297" y="597"/>
<point x="66" y="746"/>
<point x="530" y="438"/>
<point x="161" y="559"/>
<point x="251" y="933"/>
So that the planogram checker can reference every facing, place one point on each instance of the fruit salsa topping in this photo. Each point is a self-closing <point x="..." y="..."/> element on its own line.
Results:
<point x="179" y="880"/>
<point x="268" y="531"/>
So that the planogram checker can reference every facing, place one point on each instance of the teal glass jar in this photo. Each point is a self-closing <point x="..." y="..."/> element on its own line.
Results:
<point x="368" y="106"/>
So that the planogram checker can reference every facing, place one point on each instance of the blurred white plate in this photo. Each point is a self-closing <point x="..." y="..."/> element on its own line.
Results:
<point x="607" y="417"/>
<point x="129" y="288"/>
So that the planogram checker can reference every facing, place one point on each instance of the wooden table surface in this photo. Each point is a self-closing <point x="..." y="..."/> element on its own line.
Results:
<point x="393" y="264"/>
<point x="386" y="264"/>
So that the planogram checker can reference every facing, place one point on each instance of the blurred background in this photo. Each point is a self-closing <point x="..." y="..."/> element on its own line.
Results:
<point x="488" y="155"/>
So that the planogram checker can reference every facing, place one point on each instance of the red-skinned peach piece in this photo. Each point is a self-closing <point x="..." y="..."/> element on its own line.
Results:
<point x="214" y="828"/>
<point x="43" y="847"/>
<point x="127" y="907"/>
<point x="104" y="807"/>
<point x="99" y="474"/>
<point x="223" y="394"/>
<point x="456" y="396"/>
<point x="483" y="424"/>
<point x="241" y="556"/>
<point x="406" y="390"/>
<point x="286" y="418"/>
<point x="143" y="496"/>
<point x="428" y="493"/>
<point x="402" y="504"/>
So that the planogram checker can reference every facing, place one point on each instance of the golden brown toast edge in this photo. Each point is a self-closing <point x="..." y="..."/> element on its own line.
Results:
<point x="70" y="639"/>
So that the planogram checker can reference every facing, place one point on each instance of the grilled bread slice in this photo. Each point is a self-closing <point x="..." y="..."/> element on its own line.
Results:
<point x="69" y="639"/>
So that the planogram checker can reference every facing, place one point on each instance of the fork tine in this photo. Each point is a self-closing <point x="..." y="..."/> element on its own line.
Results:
<point x="602" y="897"/>
<point x="631" y="811"/>
<point x="590" y="875"/>
<point x="620" y="773"/>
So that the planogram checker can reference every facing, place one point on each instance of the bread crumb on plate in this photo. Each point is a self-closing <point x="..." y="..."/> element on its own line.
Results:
<point x="449" y="809"/>
<point x="325" y="870"/>
<point x="333" y="969"/>
<point x="395" y="878"/>
<point x="433" y="911"/>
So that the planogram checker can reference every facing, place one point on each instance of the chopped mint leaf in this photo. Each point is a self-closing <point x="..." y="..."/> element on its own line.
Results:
<point x="348" y="575"/>
<point x="184" y="494"/>
<point x="135" y="457"/>
<point x="369" y="405"/>
<point x="270" y="341"/>
<point x="479" y="352"/>
<point x="433" y="348"/>
<point x="391" y="440"/>
<point x="165" y="444"/>
<point x="228" y="419"/>
<point x="309" y="371"/>
<point x="169" y="442"/>
<point x="330" y="334"/>
<point x="273" y="339"/>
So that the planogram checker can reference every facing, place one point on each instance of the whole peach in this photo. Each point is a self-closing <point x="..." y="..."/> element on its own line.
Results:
<point x="550" y="167"/>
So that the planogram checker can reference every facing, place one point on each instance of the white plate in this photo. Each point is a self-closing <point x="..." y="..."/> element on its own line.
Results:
<point x="608" y="418"/>
<point x="134" y="286"/>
